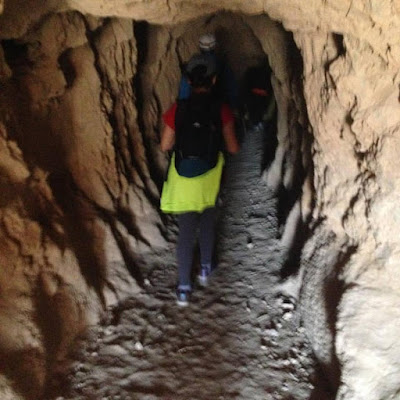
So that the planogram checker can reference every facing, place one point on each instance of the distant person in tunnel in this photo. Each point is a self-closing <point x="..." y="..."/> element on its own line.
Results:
<point x="199" y="130"/>
<point x="259" y="105"/>
<point x="260" y="108"/>
<point x="226" y="86"/>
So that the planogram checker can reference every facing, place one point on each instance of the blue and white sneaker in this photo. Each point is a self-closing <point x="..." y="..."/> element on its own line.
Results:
<point x="182" y="297"/>
<point x="204" y="273"/>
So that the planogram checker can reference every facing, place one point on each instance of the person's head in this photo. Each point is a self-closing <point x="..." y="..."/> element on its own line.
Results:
<point x="207" y="42"/>
<point x="201" y="71"/>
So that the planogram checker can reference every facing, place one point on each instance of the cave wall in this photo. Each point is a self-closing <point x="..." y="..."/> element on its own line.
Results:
<point x="356" y="133"/>
<point x="349" y="293"/>
<point x="78" y="204"/>
<point x="350" y="84"/>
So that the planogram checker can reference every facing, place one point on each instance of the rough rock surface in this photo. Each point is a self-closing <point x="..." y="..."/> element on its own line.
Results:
<point x="73" y="170"/>
<point x="81" y="177"/>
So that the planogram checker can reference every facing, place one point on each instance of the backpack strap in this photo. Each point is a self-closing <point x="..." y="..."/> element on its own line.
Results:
<point x="182" y="108"/>
<point x="216" y="106"/>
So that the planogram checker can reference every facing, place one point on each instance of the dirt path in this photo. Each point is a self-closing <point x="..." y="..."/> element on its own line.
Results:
<point x="239" y="338"/>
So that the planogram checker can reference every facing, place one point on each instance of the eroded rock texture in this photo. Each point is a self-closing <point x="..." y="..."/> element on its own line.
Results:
<point x="355" y="127"/>
<point x="78" y="203"/>
<point x="80" y="108"/>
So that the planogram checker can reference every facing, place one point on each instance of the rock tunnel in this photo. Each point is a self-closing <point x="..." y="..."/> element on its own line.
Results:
<point x="83" y="88"/>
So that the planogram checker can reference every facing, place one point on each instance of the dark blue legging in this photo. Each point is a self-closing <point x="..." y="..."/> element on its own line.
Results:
<point x="188" y="224"/>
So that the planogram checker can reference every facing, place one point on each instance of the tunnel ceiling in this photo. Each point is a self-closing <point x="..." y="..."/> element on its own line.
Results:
<point x="373" y="22"/>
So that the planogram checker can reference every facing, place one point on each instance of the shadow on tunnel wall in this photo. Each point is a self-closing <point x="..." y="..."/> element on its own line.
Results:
<point x="294" y="225"/>
<point x="29" y="368"/>
<point x="35" y="131"/>
<point x="298" y="155"/>
<point x="333" y="289"/>
<point x="286" y="203"/>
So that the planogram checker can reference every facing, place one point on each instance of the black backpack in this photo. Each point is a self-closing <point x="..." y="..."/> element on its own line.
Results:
<point x="198" y="130"/>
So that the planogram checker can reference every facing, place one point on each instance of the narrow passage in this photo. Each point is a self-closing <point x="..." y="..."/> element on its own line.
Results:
<point x="239" y="338"/>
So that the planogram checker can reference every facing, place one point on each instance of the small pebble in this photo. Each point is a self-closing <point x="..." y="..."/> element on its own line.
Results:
<point x="138" y="346"/>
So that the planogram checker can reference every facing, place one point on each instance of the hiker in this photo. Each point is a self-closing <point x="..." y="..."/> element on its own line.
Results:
<point x="259" y="106"/>
<point x="198" y="130"/>
<point x="226" y="85"/>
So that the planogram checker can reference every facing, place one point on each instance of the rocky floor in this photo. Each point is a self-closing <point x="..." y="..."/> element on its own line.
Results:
<point x="240" y="338"/>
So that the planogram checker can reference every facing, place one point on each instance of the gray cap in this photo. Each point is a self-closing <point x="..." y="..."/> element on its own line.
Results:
<point x="207" y="42"/>
<point x="206" y="60"/>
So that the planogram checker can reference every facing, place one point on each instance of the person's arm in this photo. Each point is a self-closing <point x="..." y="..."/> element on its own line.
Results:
<point x="167" y="138"/>
<point x="231" y="142"/>
<point x="228" y="130"/>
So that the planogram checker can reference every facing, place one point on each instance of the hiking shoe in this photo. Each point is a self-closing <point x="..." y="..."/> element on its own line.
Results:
<point x="204" y="273"/>
<point x="182" y="297"/>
